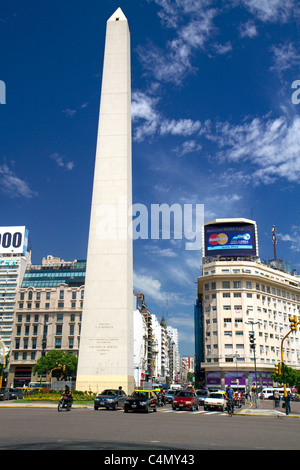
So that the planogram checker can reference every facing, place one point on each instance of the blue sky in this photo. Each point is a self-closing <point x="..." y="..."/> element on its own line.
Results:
<point x="214" y="123"/>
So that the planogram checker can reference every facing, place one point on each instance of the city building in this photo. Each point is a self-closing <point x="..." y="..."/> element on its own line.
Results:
<point x="14" y="257"/>
<point x="238" y="295"/>
<point x="47" y="316"/>
<point x="174" y="357"/>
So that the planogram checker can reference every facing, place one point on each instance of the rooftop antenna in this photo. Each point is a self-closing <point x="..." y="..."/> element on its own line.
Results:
<point x="274" y="240"/>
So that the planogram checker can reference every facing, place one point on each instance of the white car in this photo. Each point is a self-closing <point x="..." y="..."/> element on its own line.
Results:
<point x="216" y="401"/>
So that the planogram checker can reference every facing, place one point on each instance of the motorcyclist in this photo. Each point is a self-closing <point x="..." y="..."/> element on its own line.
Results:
<point x="68" y="394"/>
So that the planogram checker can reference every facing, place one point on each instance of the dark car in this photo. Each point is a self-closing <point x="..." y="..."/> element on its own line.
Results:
<point x="202" y="394"/>
<point x="110" y="398"/>
<point x="141" y="400"/>
<point x="15" y="393"/>
<point x="4" y="394"/>
<point x="186" y="400"/>
<point x="170" y="395"/>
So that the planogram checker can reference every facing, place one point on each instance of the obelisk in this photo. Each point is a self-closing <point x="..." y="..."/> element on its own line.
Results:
<point x="106" y="340"/>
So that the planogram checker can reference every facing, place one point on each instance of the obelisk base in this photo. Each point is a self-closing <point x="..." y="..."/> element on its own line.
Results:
<point x="98" y="383"/>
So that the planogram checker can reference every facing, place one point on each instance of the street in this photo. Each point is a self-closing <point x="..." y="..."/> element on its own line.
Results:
<point x="86" y="429"/>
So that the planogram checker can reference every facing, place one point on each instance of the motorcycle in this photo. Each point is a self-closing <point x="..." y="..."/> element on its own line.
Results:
<point x="64" y="403"/>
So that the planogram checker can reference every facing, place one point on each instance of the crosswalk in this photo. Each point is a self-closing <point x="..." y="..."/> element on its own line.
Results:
<point x="197" y="412"/>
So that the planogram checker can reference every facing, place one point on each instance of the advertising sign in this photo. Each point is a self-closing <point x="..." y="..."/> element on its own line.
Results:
<point x="13" y="240"/>
<point x="232" y="239"/>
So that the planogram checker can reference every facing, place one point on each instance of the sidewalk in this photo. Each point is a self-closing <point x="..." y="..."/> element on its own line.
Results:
<point x="267" y="408"/>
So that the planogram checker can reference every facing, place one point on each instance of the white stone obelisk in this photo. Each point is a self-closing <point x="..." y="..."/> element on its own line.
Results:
<point x="106" y="341"/>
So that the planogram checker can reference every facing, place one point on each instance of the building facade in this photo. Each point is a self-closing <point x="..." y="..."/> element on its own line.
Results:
<point x="47" y="316"/>
<point x="13" y="262"/>
<point x="236" y="296"/>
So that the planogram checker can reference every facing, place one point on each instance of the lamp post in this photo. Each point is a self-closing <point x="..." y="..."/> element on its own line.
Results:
<point x="253" y="346"/>
<point x="3" y="367"/>
<point x="44" y="344"/>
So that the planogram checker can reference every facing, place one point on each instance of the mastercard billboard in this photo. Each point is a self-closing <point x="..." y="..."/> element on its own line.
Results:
<point x="230" y="237"/>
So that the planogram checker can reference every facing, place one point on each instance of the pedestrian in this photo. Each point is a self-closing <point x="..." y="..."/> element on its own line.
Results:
<point x="288" y="402"/>
<point x="276" y="396"/>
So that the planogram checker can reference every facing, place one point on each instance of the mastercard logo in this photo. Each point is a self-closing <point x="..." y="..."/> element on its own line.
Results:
<point x="218" y="239"/>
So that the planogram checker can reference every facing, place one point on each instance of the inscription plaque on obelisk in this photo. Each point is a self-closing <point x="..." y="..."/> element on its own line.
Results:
<point x="106" y="341"/>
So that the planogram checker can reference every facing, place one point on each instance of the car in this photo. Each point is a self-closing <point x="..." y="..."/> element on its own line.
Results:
<point x="15" y="393"/>
<point x="216" y="400"/>
<point x="4" y="394"/>
<point x="202" y="394"/>
<point x="186" y="399"/>
<point x="110" y="399"/>
<point x="141" y="400"/>
<point x="170" y="395"/>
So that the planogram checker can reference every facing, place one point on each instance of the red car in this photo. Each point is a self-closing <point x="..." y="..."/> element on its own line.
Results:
<point x="186" y="400"/>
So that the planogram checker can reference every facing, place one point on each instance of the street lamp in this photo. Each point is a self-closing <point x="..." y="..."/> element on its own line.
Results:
<point x="3" y="367"/>
<point x="44" y="344"/>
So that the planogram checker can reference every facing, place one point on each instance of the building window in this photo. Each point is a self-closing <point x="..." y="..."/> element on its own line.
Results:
<point x="57" y="343"/>
<point x="61" y="294"/>
<point x="59" y="329"/>
<point x="236" y="284"/>
<point x="226" y="285"/>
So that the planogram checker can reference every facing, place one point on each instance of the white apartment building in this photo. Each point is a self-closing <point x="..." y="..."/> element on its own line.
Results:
<point x="14" y="257"/>
<point x="233" y="295"/>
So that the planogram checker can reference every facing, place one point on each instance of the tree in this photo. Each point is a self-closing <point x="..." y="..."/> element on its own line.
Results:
<point x="292" y="377"/>
<point x="55" y="358"/>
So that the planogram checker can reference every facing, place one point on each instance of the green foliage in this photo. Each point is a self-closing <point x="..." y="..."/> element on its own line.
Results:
<point x="54" y="395"/>
<point x="51" y="361"/>
<point x="292" y="377"/>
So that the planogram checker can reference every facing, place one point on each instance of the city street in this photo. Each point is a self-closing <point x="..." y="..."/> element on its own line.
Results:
<point x="86" y="429"/>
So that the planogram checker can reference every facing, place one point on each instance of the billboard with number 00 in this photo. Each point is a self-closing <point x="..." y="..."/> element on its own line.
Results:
<point x="13" y="240"/>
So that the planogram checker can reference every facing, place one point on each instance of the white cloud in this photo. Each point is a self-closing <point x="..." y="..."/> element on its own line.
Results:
<point x="14" y="186"/>
<point x="149" y="287"/>
<point x="293" y="238"/>
<point x="248" y="30"/>
<point x="193" y="22"/>
<point x="188" y="146"/>
<point x="71" y="112"/>
<point x="272" y="11"/>
<point x="183" y="127"/>
<point x="61" y="161"/>
<point x="285" y="57"/>
<point x="272" y="146"/>
<point x="147" y="121"/>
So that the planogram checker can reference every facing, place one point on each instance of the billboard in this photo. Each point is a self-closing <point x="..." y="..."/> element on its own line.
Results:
<point x="229" y="239"/>
<point x="13" y="240"/>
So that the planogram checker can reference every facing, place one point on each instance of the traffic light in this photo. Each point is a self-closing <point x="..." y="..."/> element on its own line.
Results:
<point x="278" y="368"/>
<point x="252" y="340"/>
<point x="294" y="322"/>
<point x="64" y="367"/>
